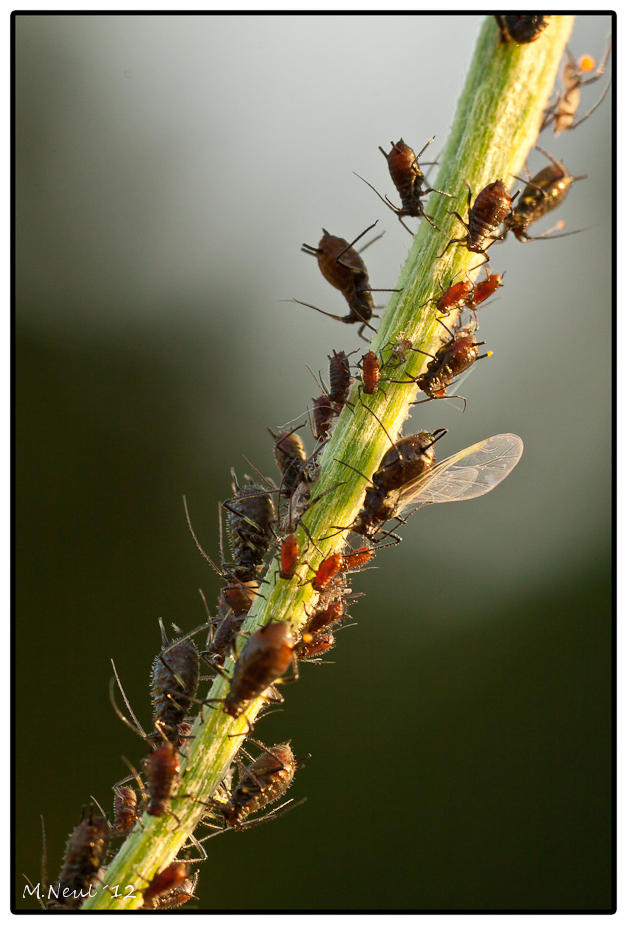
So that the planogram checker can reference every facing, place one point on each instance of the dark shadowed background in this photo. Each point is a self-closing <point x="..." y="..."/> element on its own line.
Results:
<point x="168" y="170"/>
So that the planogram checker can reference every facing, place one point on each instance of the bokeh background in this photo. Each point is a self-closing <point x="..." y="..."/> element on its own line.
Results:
<point x="168" y="170"/>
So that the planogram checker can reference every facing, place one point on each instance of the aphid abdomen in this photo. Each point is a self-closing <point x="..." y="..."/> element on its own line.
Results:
<point x="164" y="882"/>
<point x="327" y="570"/>
<point x="339" y="378"/>
<point x="371" y="373"/>
<point x="405" y="175"/>
<point x="490" y="209"/>
<point x="346" y="274"/>
<point x="450" y="361"/>
<point x="124" y="809"/>
<point x="289" y="557"/>
<point x="84" y="855"/>
<point x="265" y="657"/>
<point x="289" y="453"/>
<point x="266" y="780"/>
<point x="250" y="514"/>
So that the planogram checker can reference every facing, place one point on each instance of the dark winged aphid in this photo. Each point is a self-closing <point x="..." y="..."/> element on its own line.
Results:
<point x="326" y="572"/>
<point x="289" y="557"/>
<point x="266" y="656"/>
<point x="339" y="379"/>
<point x="262" y="783"/>
<point x="164" y="882"/>
<point x="484" y="217"/>
<point x="162" y="769"/>
<point x="521" y="29"/>
<point x="251" y="512"/>
<point x="408" y="477"/>
<point x="563" y="112"/>
<point x="175" y="675"/>
<point x="371" y="369"/>
<point x="290" y="453"/>
<point x="408" y="179"/>
<point x="84" y="856"/>
<point x="125" y="812"/>
<point x="341" y="265"/>
<point x="543" y="193"/>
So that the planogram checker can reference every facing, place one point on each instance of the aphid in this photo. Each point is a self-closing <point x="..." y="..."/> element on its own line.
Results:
<point x="521" y="29"/>
<point x="164" y="882"/>
<point x="84" y="856"/>
<point x="484" y="289"/>
<point x="289" y="557"/>
<point x="175" y="675"/>
<point x="408" y="476"/>
<point x="450" y="361"/>
<point x="327" y="570"/>
<point x="408" y="178"/>
<point x="264" y="782"/>
<point x="398" y="354"/>
<point x="251" y="512"/>
<point x="311" y="645"/>
<point x="179" y="895"/>
<point x="341" y="265"/>
<point x="484" y="217"/>
<point x="454" y="297"/>
<point x="371" y="373"/>
<point x="563" y="112"/>
<point x="339" y="379"/>
<point x="125" y="813"/>
<point x="543" y="193"/>
<point x="234" y="602"/>
<point x="326" y="617"/>
<point x="290" y="453"/>
<point x="355" y="560"/>
<point x="266" y="656"/>
<point x="162" y="769"/>
<point x="323" y="413"/>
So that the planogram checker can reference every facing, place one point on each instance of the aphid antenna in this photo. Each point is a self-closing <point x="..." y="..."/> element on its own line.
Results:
<point x="318" y="382"/>
<point x="135" y="774"/>
<point x="377" y="419"/>
<point x="287" y="424"/>
<point x="423" y="401"/>
<point x="372" y="241"/>
<point x="348" y="246"/>
<point x="596" y="105"/>
<point x="105" y="815"/>
<point x="137" y="728"/>
<point x="201" y="550"/>
<point x="560" y="224"/>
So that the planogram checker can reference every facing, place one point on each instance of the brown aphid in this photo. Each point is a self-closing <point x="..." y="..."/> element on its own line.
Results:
<point x="326" y="617"/>
<point x="450" y="361"/>
<point x="341" y="265"/>
<point x="521" y="29"/>
<point x="454" y="297"/>
<point x="371" y="369"/>
<point x="237" y="598"/>
<point x="327" y="570"/>
<point x="251" y="512"/>
<point x="289" y="557"/>
<point x="323" y="413"/>
<point x="490" y="208"/>
<point x="266" y="656"/>
<point x="175" y="675"/>
<point x="408" y="179"/>
<point x="179" y="895"/>
<point x="290" y="453"/>
<point x="312" y="645"/>
<point x="164" y="882"/>
<point x="125" y="813"/>
<point x="234" y="602"/>
<point x="563" y="112"/>
<point x="484" y="289"/>
<point x="339" y="379"/>
<point x="162" y="769"/>
<point x="409" y="458"/>
<point x="543" y="193"/>
<point x="84" y="856"/>
<point x="262" y="783"/>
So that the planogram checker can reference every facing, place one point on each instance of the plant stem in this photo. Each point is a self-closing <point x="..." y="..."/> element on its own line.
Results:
<point x="497" y="121"/>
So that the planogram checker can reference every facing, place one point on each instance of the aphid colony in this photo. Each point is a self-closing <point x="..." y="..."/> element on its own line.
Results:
<point x="269" y="519"/>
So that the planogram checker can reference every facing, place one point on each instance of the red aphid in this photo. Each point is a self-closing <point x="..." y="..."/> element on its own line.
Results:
<point x="358" y="558"/>
<point x="312" y="645"/>
<point x="326" y="617"/>
<point x="455" y="296"/>
<point x="371" y="373"/>
<point x="289" y="557"/>
<point x="484" y="289"/>
<point x="327" y="570"/>
<point x="168" y="879"/>
<point x="162" y="770"/>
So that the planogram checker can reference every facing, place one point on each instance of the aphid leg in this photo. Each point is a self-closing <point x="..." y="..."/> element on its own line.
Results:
<point x="366" y="246"/>
<point x="348" y="466"/>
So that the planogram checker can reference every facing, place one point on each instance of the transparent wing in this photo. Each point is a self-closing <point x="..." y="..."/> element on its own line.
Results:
<point x="468" y="474"/>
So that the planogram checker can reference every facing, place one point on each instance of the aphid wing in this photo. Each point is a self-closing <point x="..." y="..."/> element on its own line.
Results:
<point x="468" y="474"/>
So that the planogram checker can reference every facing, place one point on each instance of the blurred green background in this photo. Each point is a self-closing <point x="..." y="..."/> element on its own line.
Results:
<point x="168" y="170"/>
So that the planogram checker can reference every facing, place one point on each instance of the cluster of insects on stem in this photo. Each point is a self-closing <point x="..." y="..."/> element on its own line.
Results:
<point x="268" y="518"/>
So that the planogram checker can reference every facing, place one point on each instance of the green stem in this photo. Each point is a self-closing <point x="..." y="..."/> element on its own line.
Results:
<point x="497" y="122"/>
